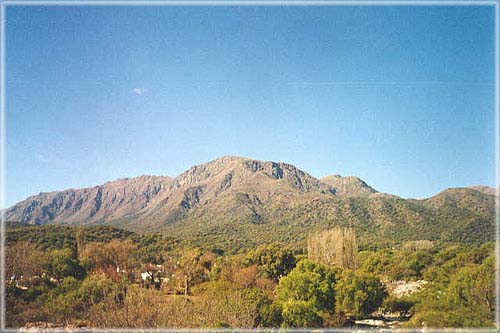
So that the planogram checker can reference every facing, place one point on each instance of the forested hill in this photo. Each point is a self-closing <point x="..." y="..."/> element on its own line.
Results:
<point x="235" y="202"/>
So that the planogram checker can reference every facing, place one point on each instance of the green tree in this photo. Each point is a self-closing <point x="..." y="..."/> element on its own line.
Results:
<point x="300" y="314"/>
<point x="358" y="294"/>
<point x="436" y="308"/>
<point x="271" y="315"/>
<point x="273" y="261"/>
<point x="474" y="286"/>
<point x="378" y="262"/>
<point x="413" y="265"/>
<point x="62" y="263"/>
<point x="62" y="303"/>
<point x="309" y="282"/>
<point x="94" y="289"/>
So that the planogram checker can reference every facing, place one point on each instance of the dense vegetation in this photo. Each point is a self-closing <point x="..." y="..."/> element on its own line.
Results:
<point x="455" y="215"/>
<point x="108" y="277"/>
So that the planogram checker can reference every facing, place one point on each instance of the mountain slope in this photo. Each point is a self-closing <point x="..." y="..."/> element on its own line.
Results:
<point x="110" y="201"/>
<point x="378" y="222"/>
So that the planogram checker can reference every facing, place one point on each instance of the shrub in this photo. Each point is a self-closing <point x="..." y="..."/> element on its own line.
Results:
<point x="359" y="294"/>
<point x="300" y="314"/>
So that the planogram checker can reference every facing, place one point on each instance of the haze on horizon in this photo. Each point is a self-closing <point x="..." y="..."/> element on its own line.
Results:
<point x="402" y="97"/>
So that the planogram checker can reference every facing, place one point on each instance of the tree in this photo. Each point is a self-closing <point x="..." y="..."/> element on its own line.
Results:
<point x="94" y="289"/>
<point x="358" y="294"/>
<point x="333" y="247"/>
<point x="23" y="262"/>
<point x="62" y="303"/>
<point x="273" y="261"/>
<point x="271" y="315"/>
<point x="412" y="265"/>
<point x="192" y="267"/>
<point x="378" y="262"/>
<point x="309" y="282"/>
<point x="72" y="299"/>
<point x="117" y="254"/>
<point x="300" y="314"/>
<point x="79" y="238"/>
<point x="62" y="263"/>
<point x="474" y="286"/>
<point x="245" y="277"/>
<point x="438" y="306"/>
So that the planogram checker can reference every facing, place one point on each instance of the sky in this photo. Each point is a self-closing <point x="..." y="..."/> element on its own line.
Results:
<point x="400" y="96"/>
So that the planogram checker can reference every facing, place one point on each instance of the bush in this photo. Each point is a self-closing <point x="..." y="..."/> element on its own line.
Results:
<point x="309" y="282"/>
<point x="62" y="263"/>
<point x="465" y="299"/>
<point x="94" y="289"/>
<point x="358" y="294"/>
<point x="273" y="260"/>
<point x="300" y="314"/>
<point x="271" y="315"/>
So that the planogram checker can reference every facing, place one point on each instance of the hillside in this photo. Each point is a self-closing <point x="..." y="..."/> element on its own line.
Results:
<point x="378" y="221"/>
<point x="235" y="202"/>
<point x="110" y="201"/>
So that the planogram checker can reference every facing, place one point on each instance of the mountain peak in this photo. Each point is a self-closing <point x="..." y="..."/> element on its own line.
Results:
<point x="139" y="179"/>
<point x="250" y="172"/>
<point x="484" y="189"/>
<point x="348" y="185"/>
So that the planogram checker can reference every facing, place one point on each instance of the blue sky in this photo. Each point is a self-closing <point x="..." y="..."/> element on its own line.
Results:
<point x="402" y="97"/>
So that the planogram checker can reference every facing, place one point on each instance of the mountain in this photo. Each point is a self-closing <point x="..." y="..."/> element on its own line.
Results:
<point x="235" y="202"/>
<point x="225" y="182"/>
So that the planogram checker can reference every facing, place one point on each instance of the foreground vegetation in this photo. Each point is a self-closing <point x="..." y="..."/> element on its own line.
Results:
<point x="108" y="277"/>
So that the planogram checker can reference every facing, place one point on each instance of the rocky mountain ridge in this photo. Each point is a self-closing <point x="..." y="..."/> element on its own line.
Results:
<point x="127" y="197"/>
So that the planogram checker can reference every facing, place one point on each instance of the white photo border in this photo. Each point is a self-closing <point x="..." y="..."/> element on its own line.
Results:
<point x="5" y="3"/>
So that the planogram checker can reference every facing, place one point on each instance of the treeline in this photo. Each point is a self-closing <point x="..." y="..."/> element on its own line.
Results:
<point x="151" y="247"/>
<point x="107" y="277"/>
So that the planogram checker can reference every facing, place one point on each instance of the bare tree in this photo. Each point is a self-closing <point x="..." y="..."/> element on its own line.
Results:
<point x="117" y="254"/>
<point x="192" y="266"/>
<point x="333" y="247"/>
<point x="23" y="262"/>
